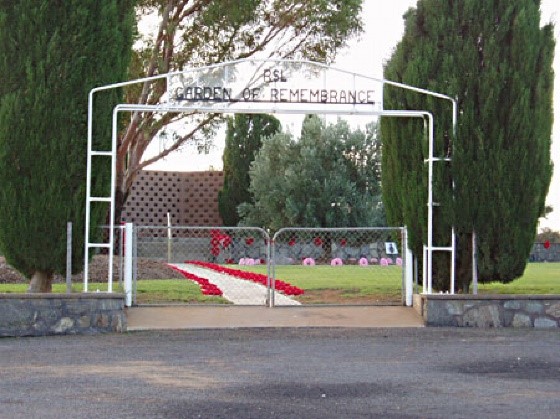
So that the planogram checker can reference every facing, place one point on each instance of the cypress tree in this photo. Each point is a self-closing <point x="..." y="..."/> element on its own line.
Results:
<point x="53" y="54"/>
<point x="243" y="139"/>
<point x="494" y="56"/>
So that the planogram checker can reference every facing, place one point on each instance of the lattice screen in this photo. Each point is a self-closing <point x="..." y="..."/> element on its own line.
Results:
<point x="190" y="197"/>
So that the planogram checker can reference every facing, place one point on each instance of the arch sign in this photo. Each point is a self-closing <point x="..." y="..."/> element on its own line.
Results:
<point x="264" y="86"/>
<point x="279" y="86"/>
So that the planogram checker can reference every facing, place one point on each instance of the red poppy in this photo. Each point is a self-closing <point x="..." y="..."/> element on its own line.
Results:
<point x="547" y="244"/>
<point x="226" y="241"/>
<point x="343" y="242"/>
<point x="249" y="241"/>
<point x="292" y="242"/>
<point x="318" y="241"/>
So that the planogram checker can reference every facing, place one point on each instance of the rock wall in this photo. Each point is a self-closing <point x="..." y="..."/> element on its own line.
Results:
<point x="539" y="311"/>
<point x="61" y="314"/>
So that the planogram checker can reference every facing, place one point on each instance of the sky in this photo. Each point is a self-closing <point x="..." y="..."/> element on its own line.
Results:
<point x="383" y="28"/>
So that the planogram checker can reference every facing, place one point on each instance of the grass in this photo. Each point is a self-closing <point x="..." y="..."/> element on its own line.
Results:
<point x="173" y="290"/>
<point x="539" y="278"/>
<point x="150" y="291"/>
<point x="56" y="289"/>
<point x="380" y="283"/>
<point x="341" y="284"/>
<point x="322" y="284"/>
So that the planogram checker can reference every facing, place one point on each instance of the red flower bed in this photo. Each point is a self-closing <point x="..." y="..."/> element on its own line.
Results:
<point x="205" y="286"/>
<point x="281" y="286"/>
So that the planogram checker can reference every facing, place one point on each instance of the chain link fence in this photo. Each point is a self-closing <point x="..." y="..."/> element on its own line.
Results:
<point x="341" y="265"/>
<point x="221" y="245"/>
<point x="207" y="260"/>
<point x="242" y="266"/>
<point x="545" y="252"/>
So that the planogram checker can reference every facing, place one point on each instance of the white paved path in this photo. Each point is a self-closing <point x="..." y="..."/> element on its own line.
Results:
<point x="238" y="291"/>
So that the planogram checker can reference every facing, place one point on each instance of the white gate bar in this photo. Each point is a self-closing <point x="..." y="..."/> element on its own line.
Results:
<point x="129" y="244"/>
<point x="424" y="270"/>
<point x="409" y="269"/>
<point x="452" y="273"/>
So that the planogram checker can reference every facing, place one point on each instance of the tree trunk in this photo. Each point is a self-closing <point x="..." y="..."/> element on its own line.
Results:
<point x="120" y="201"/>
<point x="463" y="273"/>
<point x="41" y="281"/>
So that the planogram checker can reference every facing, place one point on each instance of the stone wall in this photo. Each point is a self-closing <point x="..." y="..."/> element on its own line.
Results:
<point x="61" y="314"/>
<point x="539" y="311"/>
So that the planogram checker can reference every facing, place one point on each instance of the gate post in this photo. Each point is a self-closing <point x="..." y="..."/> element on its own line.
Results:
<point x="408" y="270"/>
<point x="128" y="247"/>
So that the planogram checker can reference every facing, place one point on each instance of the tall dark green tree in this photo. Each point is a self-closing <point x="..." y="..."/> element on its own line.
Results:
<point x="496" y="59"/>
<point x="243" y="139"/>
<point x="53" y="53"/>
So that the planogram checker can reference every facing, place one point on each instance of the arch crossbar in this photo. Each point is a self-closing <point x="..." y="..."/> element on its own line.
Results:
<point x="366" y="109"/>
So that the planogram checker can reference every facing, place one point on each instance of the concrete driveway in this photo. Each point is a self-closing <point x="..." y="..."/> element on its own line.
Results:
<point x="208" y="317"/>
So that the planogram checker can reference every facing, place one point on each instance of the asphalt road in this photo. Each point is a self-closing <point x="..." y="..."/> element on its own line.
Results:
<point x="284" y="373"/>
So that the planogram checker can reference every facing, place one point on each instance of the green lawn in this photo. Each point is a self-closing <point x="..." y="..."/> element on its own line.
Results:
<point x="539" y="278"/>
<point x="384" y="283"/>
<point x="148" y="291"/>
<point x="173" y="290"/>
<point x="324" y="284"/>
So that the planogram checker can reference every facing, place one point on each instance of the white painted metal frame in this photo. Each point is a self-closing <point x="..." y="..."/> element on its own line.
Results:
<point x="357" y="109"/>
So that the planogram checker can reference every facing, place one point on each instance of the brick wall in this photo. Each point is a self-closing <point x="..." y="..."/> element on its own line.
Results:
<point x="190" y="197"/>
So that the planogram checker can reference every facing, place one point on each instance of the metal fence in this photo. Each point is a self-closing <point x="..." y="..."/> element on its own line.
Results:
<point x="236" y="265"/>
<point x="208" y="258"/>
<point x="342" y="265"/>
<point x="221" y="245"/>
<point x="545" y="252"/>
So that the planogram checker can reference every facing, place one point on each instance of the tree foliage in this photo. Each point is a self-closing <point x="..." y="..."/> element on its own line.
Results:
<point x="192" y="33"/>
<point x="243" y="139"/>
<point x="497" y="60"/>
<point x="329" y="178"/>
<point x="50" y="61"/>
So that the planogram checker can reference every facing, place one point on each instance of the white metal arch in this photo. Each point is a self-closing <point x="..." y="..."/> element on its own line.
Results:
<point x="354" y="109"/>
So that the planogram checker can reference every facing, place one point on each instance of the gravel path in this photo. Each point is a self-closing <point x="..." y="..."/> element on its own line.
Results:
<point x="238" y="291"/>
